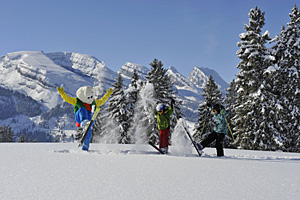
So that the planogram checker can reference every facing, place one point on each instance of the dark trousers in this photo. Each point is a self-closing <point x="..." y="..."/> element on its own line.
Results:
<point x="219" y="137"/>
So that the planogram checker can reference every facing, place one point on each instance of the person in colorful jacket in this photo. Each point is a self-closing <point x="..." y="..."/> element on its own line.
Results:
<point x="220" y="129"/>
<point x="83" y="105"/>
<point x="163" y="116"/>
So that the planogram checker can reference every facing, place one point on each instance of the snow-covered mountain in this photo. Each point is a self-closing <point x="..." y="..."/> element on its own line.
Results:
<point x="200" y="76"/>
<point x="37" y="74"/>
<point x="188" y="94"/>
<point x="127" y="70"/>
<point x="29" y="79"/>
<point x="30" y="103"/>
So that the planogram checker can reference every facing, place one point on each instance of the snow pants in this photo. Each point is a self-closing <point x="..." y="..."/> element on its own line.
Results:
<point x="164" y="138"/>
<point x="219" y="137"/>
<point x="81" y="115"/>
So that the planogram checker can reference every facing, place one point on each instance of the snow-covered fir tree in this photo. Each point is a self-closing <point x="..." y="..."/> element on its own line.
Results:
<point x="212" y="95"/>
<point x="22" y="138"/>
<point x="98" y="129"/>
<point x="254" y="109"/>
<point x="117" y="109"/>
<point x="132" y="98"/>
<point x="211" y="92"/>
<point x="269" y="136"/>
<point x="287" y="53"/>
<point x="105" y="129"/>
<point x="203" y="124"/>
<point x="157" y="76"/>
<point x="163" y="90"/>
<point x="143" y="127"/>
<point x="230" y="100"/>
<point x="6" y="134"/>
<point x="163" y="86"/>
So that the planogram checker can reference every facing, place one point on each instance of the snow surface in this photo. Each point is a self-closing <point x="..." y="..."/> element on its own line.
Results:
<point x="112" y="171"/>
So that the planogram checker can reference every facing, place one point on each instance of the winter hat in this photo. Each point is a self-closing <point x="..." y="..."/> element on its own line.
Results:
<point x="160" y="107"/>
<point x="86" y="94"/>
<point x="217" y="107"/>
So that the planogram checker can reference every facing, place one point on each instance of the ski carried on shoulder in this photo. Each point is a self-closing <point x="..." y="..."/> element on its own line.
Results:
<point x="192" y="140"/>
<point x="90" y="126"/>
<point x="155" y="147"/>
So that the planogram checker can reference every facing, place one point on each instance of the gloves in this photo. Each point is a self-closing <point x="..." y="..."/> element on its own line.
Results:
<point x="84" y="124"/>
<point x="60" y="90"/>
<point x="109" y="91"/>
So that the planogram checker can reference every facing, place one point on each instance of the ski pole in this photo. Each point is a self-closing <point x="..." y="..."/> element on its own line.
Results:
<point x="204" y="123"/>
<point x="202" y="129"/>
<point x="227" y="124"/>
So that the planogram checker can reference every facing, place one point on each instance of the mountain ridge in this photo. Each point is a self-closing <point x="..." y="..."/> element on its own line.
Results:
<point x="37" y="74"/>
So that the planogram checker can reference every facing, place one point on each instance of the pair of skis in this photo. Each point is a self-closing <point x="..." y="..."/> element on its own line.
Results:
<point x="191" y="138"/>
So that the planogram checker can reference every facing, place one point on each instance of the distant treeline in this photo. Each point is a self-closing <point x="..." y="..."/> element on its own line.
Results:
<point x="13" y="103"/>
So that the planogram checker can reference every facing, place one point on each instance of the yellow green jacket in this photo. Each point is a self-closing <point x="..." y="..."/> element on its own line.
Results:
<point x="163" y="120"/>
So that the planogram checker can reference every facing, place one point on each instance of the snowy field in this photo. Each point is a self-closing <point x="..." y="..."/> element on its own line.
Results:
<point x="131" y="172"/>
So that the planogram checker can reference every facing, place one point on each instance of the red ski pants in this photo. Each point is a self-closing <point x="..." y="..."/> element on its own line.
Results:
<point x="164" y="138"/>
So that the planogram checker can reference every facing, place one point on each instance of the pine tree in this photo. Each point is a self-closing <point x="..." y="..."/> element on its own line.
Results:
<point x="287" y="53"/>
<point x="132" y="95"/>
<point x="105" y="129"/>
<point x="157" y="77"/>
<point x="230" y="101"/>
<point x="202" y="126"/>
<point x="6" y="134"/>
<point x="132" y="98"/>
<point x="269" y="135"/>
<point x="163" y="86"/>
<point x="212" y="94"/>
<point x="100" y="126"/>
<point x="163" y="90"/>
<point x="143" y="127"/>
<point x="253" y="109"/>
<point x="117" y="109"/>
<point x="22" y="138"/>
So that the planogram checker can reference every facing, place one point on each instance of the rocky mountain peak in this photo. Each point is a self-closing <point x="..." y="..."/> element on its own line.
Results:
<point x="127" y="70"/>
<point x="200" y="75"/>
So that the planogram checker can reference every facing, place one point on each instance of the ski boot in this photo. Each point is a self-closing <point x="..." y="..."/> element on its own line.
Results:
<point x="199" y="146"/>
<point x="165" y="150"/>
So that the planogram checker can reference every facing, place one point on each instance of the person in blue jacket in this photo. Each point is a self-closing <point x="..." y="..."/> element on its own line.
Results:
<point x="220" y="129"/>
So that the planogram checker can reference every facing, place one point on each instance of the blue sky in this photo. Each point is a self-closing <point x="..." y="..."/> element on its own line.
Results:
<point x="180" y="33"/>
